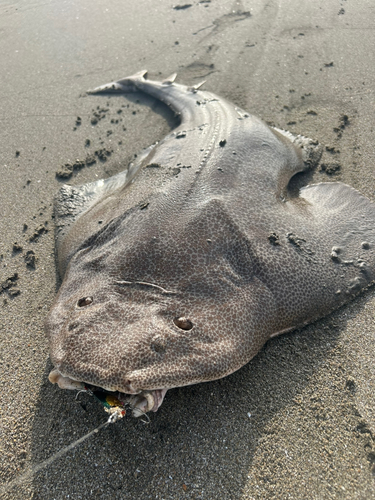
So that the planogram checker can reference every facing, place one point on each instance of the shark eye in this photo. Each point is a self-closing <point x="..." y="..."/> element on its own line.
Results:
<point x="183" y="323"/>
<point x="86" y="301"/>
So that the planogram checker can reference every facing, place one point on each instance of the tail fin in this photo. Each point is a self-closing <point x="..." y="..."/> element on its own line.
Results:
<point x="124" y="85"/>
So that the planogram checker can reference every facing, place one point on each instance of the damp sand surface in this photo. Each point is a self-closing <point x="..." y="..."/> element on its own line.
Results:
<point x="298" y="420"/>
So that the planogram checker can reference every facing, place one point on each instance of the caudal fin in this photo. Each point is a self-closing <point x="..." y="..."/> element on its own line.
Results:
<point x="126" y="84"/>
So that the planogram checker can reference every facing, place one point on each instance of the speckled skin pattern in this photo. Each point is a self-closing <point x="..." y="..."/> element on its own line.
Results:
<point x="202" y="228"/>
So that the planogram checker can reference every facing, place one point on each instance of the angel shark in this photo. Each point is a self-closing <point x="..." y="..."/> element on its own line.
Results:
<point x="179" y="269"/>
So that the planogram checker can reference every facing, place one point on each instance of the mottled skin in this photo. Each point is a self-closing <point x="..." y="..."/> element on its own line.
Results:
<point x="202" y="228"/>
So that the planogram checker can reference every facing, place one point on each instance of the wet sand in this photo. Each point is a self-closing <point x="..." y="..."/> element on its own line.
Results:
<point x="298" y="420"/>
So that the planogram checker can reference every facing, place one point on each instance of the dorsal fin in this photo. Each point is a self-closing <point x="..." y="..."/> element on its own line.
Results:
<point x="197" y="86"/>
<point x="170" y="79"/>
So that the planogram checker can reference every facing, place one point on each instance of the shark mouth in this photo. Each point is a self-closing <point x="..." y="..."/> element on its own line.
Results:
<point x="140" y="404"/>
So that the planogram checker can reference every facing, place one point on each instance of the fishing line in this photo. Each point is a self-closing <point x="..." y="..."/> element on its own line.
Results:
<point x="36" y="468"/>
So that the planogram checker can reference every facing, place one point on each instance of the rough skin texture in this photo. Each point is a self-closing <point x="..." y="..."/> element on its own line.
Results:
<point x="204" y="229"/>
